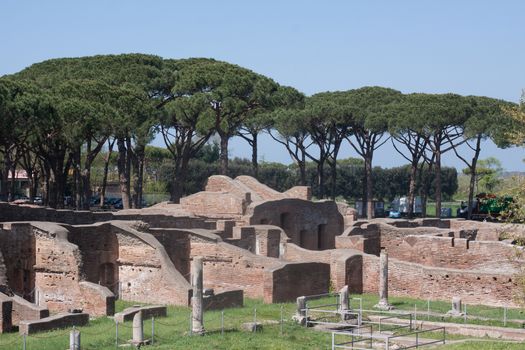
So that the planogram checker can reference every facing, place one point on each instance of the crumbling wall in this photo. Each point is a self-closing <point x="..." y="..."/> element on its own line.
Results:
<point x="228" y="267"/>
<point x="458" y="253"/>
<point x="146" y="273"/>
<point x="57" y="274"/>
<point x="418" y="281"/>
<point x="289" y="281"/>
<point x="344" y="268"/>
<point x="311" y="225"/>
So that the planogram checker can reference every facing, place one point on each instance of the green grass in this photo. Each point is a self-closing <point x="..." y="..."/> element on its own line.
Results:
<point x="172" y="332"/>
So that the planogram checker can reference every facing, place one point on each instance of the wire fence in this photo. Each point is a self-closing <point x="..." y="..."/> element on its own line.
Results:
<point x="156" y="330"/>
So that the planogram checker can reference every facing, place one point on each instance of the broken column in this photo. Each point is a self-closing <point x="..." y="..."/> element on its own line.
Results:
<point x="300" y="314"/>
<point x="74" y="340"/>
<point x="383" y="282"/>
<point x="196" y="299"/>
<point x="456" y="307"/>
<point x="138" y="329"/>
<point x="343" y="303"/>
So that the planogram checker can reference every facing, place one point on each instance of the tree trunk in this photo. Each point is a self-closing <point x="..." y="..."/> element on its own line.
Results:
<point x="224" y="154"/>
<point x="333" y="177"/>
<point x="437" y="170"/>
<point x="255" y="163"/>
<point x="472" y="184"/>
<point x="320" y="178"/>
<point x="412" y="189"/>
<point x="181" y="168"/>
<point x="78" y="181"/>
<point x="13" y="183"/>
<point x="5" y="179"/>
<point x="369" y="187"/>
<point x="33" y="190"/>
<point x="123" y="172"/>
<point x="105" y="176"/>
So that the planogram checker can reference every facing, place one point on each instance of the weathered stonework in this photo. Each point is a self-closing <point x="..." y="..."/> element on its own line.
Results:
<point x="254" y="242"/>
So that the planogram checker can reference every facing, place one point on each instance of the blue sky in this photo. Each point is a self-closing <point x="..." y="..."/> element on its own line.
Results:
<point x="470" y="47"/>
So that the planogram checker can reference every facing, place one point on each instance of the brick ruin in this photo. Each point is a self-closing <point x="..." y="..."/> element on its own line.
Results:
<point x="255" y="242"/>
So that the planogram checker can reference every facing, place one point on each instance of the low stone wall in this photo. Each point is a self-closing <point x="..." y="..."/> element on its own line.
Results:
<point x="290" y="281"/>
<point x="6" y="307"/>
<point x="458" y="253"/>
<point x="418" y="281"/>
<point x="25" y="310"/>
<point x="96" y="298"/>
<point x="64" y="320"/>
<point x="224" y="300"/>
<point x="344" y="268"/>
<point x="13" y="212"/>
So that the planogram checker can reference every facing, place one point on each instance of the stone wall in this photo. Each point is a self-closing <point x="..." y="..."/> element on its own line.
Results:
<point x="311" y="225"/>
<point x="344" y="268"/>
<point x="6" y="306"/>
<point x="228" y="267"/>
<point x="25" y="310"/>
<point x="289" y="281"/>
<point x="418" y="281"/>
<point x="13" y="212"/>
<point x="458" y="253"/>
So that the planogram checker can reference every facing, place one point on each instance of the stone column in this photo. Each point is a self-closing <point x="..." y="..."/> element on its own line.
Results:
<point x="343" y="303"/>
<point x="456" y="307"/>
<point x="196" y="299"/>
<point x="300" y="314"/>
<point x="74" y="340"/>
<point x="138" y="329"/>
<point x="383" y="282"/>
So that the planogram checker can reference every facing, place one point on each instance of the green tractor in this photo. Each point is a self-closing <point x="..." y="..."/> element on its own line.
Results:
<point x="486" y="206"/>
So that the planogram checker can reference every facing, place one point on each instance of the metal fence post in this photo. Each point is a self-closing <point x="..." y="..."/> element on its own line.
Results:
<point x="25" y="341"/>
<point x="281" y="320"/>
<point x="464" y="313"/>
<point x="428" y="309"/>
<point x="504" y="316"/>
<point x="415" y="314"/>
<point x="116" y="334"/>
<point x="222" y="322"/>
<point x="333" y="340"/>
<point x="444" y="335"/>
<point x="255" y="319"/>
<point x="191" y="325"/>
<point x="152" y="330"/>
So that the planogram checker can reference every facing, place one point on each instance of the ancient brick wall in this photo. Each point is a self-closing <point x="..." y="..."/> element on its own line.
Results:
<point x="228" y="267"/>
<point x="18" y="248"/>
<point x="6" y="306"/>
<point x="344" y="269"/>
<point x="25" y="310"/>
<point x="453" y="252"/>
<point x="418" y="281"/>
<point x="312" y="225"/>
<point x="146" y="272"/>
<point x="216" y="204"/>
<point x="177" y="245"/>
<point x="289" y="281"/>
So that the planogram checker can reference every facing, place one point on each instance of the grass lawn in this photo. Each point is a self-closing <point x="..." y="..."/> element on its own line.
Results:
<point x="172" y="332"/>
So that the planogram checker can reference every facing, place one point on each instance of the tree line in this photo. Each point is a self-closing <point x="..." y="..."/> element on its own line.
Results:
<point x="58" y="115"/>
